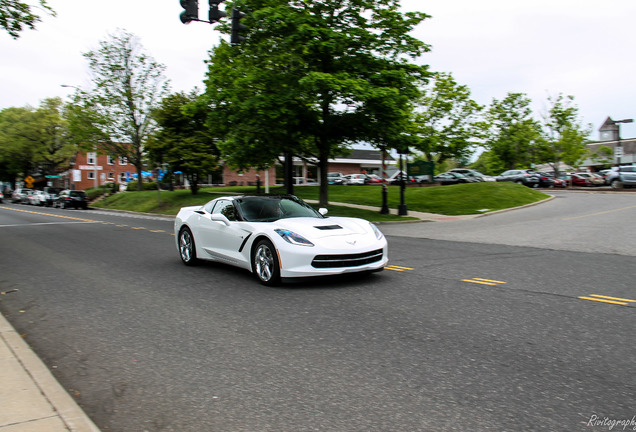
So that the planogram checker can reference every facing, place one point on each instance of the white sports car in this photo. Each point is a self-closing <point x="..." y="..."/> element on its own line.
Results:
<point x="278" y="236"/>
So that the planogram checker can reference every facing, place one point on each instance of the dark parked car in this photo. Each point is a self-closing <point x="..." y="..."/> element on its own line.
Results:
<point x="525" y="177"/>
<point x="450" y="178"/>
<point x="72" y="198"/>
<point x="545" y="180"/>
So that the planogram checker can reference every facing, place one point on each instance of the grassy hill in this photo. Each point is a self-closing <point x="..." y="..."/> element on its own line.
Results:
<point x="463" y="199"/>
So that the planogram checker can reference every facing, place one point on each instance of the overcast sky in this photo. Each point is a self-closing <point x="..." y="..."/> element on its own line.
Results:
<point x="583" y="48"/>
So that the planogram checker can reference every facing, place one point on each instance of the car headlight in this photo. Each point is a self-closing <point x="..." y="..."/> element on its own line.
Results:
<point x="376" y="231"/>
<point x="293" y="238"/>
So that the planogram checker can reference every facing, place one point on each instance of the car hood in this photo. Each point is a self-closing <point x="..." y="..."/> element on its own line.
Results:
<point x="314" y="228"/>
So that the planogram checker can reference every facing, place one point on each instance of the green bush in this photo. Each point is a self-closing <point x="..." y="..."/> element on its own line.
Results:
<point x="132" y="186"/>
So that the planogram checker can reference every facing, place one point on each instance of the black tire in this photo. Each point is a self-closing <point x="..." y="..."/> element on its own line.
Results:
<point x="616" y="184"/>
<point x="187" y="248"/>
<point x="265" y="263"/>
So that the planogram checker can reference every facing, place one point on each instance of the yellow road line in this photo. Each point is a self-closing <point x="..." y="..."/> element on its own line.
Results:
<point x="49" y="214"/>
<point x="599" y="213"/>
<point x="604" y="301"/>
<point x="478" y="282"/>
<point x="488" y="280"/>
<point x="397" y="268"/>
<point x="613" y="298"/>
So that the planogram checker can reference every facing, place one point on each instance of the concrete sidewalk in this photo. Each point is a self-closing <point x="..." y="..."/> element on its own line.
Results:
<point x="31" y="399"/>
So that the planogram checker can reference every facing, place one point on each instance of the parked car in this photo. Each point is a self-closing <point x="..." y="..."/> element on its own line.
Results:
<point x="1" y="197"/>
<point x="20" y="195"/>
<point x="374" y="179"/>
<point x="72" y="198"/>
<point x="473" y="173"/>
<point x="356" y="179"/>
<point x="51" y="195"/>
<point x="336" y="178"/>
<point x="575" y="179"/>
<point x="37" y="197"/>
<point x="526" y="177"/>
<point x="594" y="180"/>
<point x="622" y="177"/>
<point x="545" y="180"/>
<point x="286" y="238"/>
<point x="450" y="178"/>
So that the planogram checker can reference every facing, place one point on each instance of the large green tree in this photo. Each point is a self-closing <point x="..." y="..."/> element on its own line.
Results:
<point x="565" y="136"/>
<point x="114" y="116"/>
<point x="34" y="141"/>
<point x="312" y="77"/>
<point x="15" y="15"/>
<point x="514" y="136"/>
<point x="182" y="140"/>
<point x="446" y="122"/>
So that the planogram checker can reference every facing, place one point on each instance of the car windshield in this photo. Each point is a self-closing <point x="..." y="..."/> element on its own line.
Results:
<point x="272" y="208"/>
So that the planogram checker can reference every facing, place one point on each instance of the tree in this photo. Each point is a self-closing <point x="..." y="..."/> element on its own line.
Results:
<point x="514" y="135"/>
<point x="35" y="140"/>
<point x="564" y="135"/>
<point x="14" y="15"/>
<point x="312" y="77"/>
<point x="114" y="117"/>
<point x="446" y="122"/>
<point x="183" y="141"/>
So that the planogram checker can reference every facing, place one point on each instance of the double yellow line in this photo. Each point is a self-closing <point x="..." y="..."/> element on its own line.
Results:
<point x="484" y="281"/>
<point x="607" y="299"/>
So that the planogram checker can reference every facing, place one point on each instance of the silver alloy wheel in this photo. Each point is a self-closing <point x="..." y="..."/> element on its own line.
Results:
<point x="264" y="262"/>
<point x="186" y="247"/>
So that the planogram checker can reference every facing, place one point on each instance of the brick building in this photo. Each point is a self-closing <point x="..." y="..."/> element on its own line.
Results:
<point x="94" y="170"/>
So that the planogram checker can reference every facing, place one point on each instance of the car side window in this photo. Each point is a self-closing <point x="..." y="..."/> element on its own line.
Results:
<point x="226" y="208"/>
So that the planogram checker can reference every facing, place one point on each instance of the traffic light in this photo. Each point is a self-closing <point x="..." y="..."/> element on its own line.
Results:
<point x="215" y="14"/>
<point x="237" y="27"/>
<point x="191" y="12"/>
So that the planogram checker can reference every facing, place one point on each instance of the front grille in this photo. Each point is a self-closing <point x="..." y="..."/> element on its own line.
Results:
<point x="346" y="260"/>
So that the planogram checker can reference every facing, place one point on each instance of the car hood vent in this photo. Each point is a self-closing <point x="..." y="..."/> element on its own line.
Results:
<point x="328" y="227"/>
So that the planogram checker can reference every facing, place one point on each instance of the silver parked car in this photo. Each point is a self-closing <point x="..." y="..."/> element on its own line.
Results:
<point x="624" y="176"/>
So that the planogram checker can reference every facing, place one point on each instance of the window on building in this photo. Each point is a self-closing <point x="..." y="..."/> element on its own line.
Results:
<point x="91" y="158"/>
<point x="111" y="176"/>
<point x="123" y="161"/>
<point x="122" y="177"/>
<point x="111" y="160"/>
<point x="91" y="175"/>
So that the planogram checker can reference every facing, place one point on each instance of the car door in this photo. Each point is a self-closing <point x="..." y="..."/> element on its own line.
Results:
<point x="628" y="175"/>
<point x="222" y="238"/>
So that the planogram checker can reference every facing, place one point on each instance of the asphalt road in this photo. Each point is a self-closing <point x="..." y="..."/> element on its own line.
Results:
<point x="145" y="343"/>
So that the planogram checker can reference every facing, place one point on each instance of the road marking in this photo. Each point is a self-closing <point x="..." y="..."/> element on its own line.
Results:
<point x="607" y="299"/>
<point x="48" y="214"/>
<point x="599" y="213"/>
<point x="484" y="281"/>
<point x="398" y="268"/>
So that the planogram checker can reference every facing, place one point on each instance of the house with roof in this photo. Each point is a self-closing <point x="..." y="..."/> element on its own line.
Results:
<point x="623" y="151"/>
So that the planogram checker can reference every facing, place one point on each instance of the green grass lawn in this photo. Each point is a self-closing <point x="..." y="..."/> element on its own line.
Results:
<point x="462" y="199"/>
